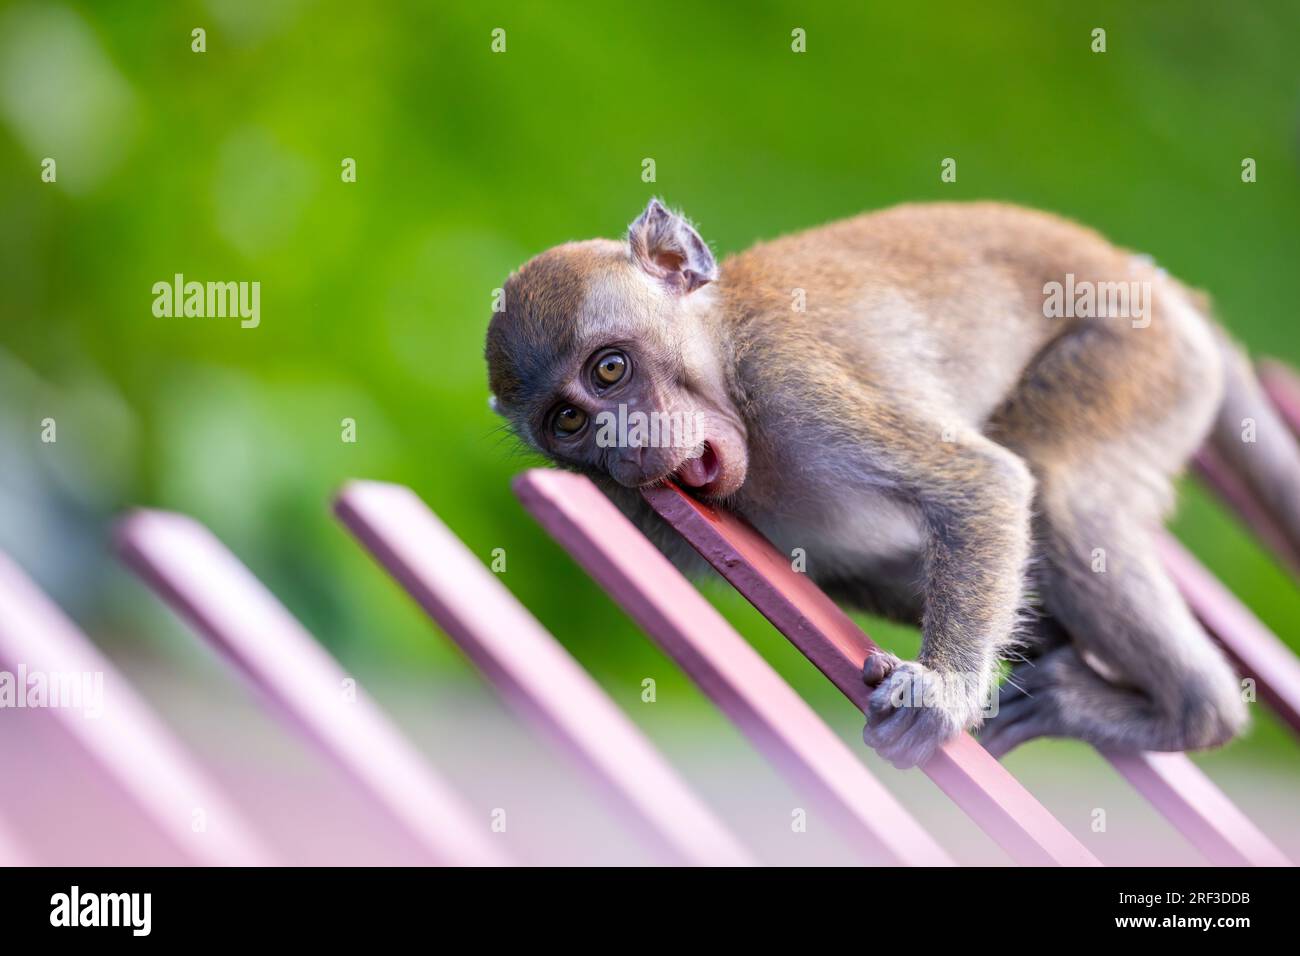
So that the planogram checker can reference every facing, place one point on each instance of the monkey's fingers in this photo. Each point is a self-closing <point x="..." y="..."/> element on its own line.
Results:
<point x="881" y="732"/>
<point x="878" y="665"/>
<point x="1016" y="723"/>
<point x="925" y="736"/>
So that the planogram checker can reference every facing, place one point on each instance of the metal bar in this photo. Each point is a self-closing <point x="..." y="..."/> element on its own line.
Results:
<point x="1236" y="494"/>
<point x="126" y="739"/>
<point x="1282" y="386"/>
<point x="722" y="663"/>
<point x="532" y="670"/>
<point x="964" y="770"/>
<point x="1198" y="809"/>
<point x="11" y="852"/>
<point x="1256" y="652"/>
<point x="192" y="571"/>
<point x="795" y="604"/>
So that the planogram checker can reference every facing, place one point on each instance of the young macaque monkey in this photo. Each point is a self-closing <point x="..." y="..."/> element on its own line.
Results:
<point x="946" y="407"/>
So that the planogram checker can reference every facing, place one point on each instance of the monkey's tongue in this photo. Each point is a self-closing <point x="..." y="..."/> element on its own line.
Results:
<point x="698" y="472"/>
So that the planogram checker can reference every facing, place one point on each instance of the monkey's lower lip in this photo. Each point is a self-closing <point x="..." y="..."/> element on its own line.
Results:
<point x="701" y="471"/>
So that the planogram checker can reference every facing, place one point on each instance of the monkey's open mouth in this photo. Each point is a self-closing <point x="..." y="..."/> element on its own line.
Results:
<point x="700" y="470"/>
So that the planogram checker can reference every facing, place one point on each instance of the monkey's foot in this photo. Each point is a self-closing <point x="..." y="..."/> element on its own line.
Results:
<point x="1029" y="703"/>
<point x="912" y="712"/>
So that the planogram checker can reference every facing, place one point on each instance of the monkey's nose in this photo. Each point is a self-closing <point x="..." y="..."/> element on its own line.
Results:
<point x="626" y="468"/>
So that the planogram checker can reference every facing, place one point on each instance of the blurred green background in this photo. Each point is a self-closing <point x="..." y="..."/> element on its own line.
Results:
<point x="225" y="165"/>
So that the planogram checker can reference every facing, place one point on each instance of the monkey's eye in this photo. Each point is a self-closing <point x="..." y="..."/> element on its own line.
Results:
<point x="610" y="369"/>
<point x="569" y="420"/>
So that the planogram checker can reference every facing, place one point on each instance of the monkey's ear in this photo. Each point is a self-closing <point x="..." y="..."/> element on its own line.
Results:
<point x="665" y="245"/>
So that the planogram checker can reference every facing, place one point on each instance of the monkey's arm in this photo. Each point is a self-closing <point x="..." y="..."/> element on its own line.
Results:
<point x="975" y="498"/>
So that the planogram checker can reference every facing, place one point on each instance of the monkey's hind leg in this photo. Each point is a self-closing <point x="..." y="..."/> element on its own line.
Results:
<point x="1104" y="418"/>
<point x="1053" y="692"/>
<point x="1139" y="673"/>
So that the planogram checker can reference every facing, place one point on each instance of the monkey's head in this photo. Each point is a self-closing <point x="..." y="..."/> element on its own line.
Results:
<point x="605" y="357"/>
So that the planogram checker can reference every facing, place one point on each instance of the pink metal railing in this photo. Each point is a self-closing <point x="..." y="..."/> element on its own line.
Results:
<point x="1281" y="387"/>
<point x="12" y="852"/>
<point x="126" y="741"/>
<point x="799" y="610"/>
<point x="532" y="670"/>
<point x="1215" y="473"/>
<point x="818" y="628"/>
<point x="207" y="585"/>
<point x="1257" y="653"/>
<point x="1198" y="809"/>
<point x="629" y="568"/>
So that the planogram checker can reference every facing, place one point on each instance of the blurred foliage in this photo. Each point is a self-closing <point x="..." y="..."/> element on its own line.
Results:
<point x="225" y="165"/>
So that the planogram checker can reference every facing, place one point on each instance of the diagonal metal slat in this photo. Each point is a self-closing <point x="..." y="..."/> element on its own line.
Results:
<point x="724" y="665"/>
<point x="207" y="585"/>
<point x="1281" y="387"/>
<point x="809" y="618"/>
<point x="1198" y="809"/>
<point x="532" y="670"/>
<point x="128" y="741"/>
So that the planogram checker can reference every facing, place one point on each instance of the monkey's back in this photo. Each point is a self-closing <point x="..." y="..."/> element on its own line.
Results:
<point x="940" y="303"/>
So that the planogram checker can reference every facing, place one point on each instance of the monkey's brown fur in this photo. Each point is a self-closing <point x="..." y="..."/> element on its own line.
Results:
<point x="887" y="394"/>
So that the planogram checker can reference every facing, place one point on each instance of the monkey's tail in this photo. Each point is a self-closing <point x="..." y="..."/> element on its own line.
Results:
<point x="1256" y="443"/>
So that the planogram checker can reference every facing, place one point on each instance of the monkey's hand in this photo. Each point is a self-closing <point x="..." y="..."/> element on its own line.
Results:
<point x="914" y="709"/>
